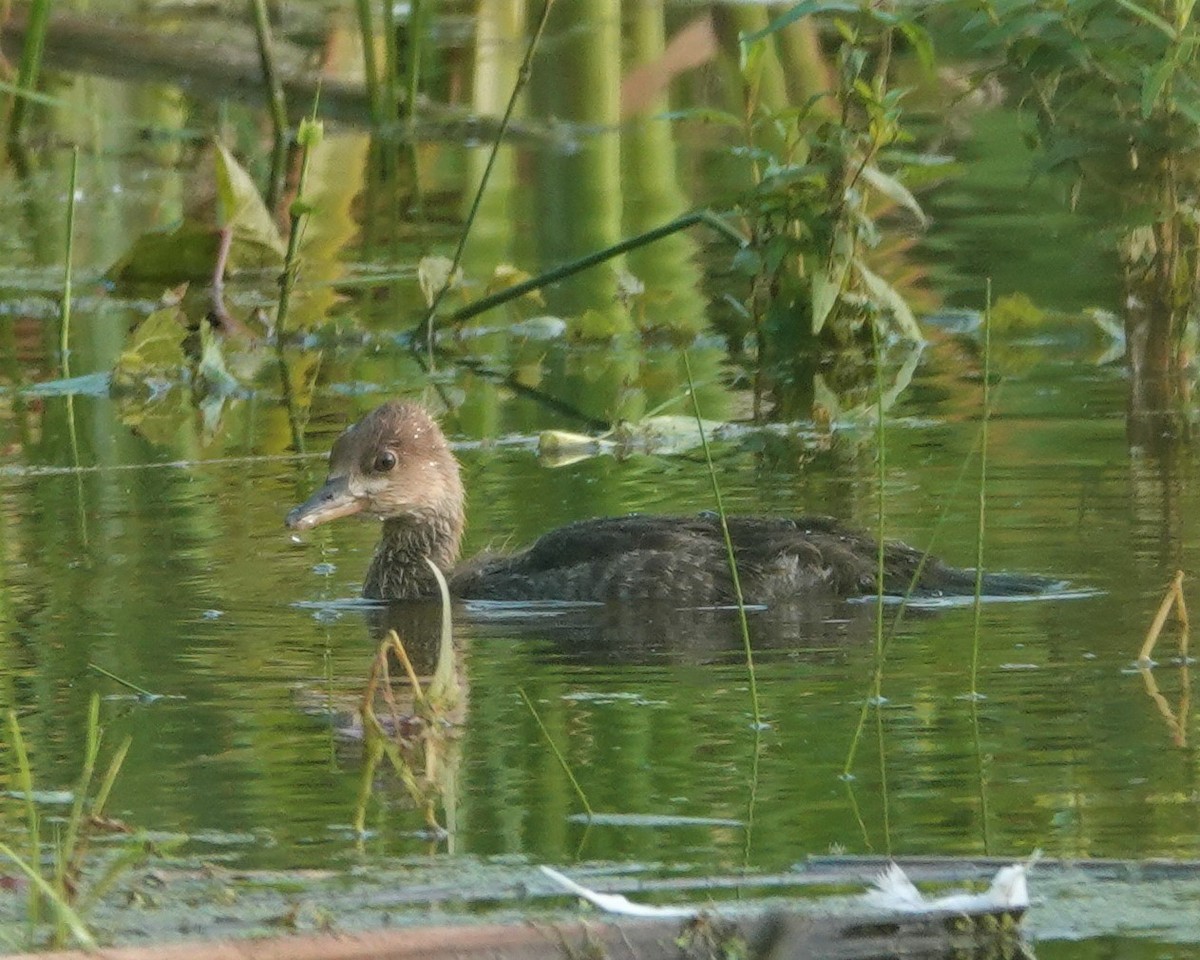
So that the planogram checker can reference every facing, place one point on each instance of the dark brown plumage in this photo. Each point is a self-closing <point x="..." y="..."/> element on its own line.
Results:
<point x="396" y="466"/>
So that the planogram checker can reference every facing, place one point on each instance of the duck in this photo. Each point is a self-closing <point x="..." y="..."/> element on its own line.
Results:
<point x="395" y="465"/>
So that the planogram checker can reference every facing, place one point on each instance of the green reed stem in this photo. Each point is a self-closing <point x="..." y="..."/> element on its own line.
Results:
<point x="977" y="628"/>
<point x="562" y="761"/>
<point x="64" y="338"/>
<point x="31" y="63"/>
<point x="75" y="820"/>
<point x="561" y="272"/>
<point x="366" y="28"/>
<point x="730" y="558"/>
<point x="391" y="63"/>
<point x="24" y="778"/>
<point x="425" y="328"/>
<point x="982" y="522"/>
<point x="417" y="34"/>
<point x="308" y="136"/>
<point x="64" y="332"/>
<point x="266" y="54"/>
<point x="875" y="699"/>
<point x="129" y="685"/>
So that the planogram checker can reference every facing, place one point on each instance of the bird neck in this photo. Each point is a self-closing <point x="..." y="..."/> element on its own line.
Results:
<point x="398" y="569"/>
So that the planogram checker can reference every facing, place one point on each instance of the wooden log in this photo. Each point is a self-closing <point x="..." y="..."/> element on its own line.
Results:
<point x="774" y="936"/>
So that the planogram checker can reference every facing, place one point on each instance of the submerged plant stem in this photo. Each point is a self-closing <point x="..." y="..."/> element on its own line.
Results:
<point x="562" y="761"/>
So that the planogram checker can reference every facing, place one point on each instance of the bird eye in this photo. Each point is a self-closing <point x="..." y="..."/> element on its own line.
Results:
<point x="385" y="461"/>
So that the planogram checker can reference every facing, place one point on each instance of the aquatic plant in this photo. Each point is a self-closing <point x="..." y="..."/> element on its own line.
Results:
<point x="419" y="738"/>
<point x="31" y="65"/>
<point x="1114" y="95"/>
<point x="58" y="893"/>
<point x="823" y="172"/>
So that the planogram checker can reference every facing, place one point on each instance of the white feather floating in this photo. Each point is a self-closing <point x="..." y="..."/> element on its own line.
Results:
<point x="894" y="891"/>
<point x="615" y="903"/>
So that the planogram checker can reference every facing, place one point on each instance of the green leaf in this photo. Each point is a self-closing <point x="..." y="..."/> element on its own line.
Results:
<point x="55" y="897"/>
<point x="185" y="251"/>
<point x="434" y="273"/>
<point x="799" y="11"/>
<point x="887" y="296"/>
<point x="1151" y="18"/>
<point x="255" y="236"/>
<point x="826" y="289"/>
<point x="155" y="349"/>
<point x="1153" y="82"/>
<point x="894" y="190"/>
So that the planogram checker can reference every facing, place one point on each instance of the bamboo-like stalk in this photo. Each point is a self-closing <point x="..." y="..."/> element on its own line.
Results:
<point x="391" y="65"/>
<point x="31" y="63"/>
<point x="417" y="34"/>
<point x="366" y="28"/>
<point x="266" y="53"/>
<point x="1172" y="599"/>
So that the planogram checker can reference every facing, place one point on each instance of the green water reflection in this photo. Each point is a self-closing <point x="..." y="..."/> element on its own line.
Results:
<point x="156" y="549"/>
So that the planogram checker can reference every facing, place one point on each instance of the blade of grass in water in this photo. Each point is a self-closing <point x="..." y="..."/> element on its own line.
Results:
<point x="983" y="455"/>
<point x="562" y="761"/>
<point x="976" y="634"/>
<point x="729" y="555"/>
<point x="24" y="778"/>
<point x="875" y="699"/>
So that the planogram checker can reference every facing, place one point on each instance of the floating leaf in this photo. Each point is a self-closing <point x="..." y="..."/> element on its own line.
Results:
<point x="433" y="273"/>
<point x="506" y="276"/>
<point x="155" y="349"/>
<point x="185" y="251"/>
<point x="212" y="370"/>
<point x="188" y="250"/>
<point x="540" y="328"/>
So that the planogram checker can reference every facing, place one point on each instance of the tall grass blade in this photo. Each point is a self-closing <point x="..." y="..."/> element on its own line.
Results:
<point x="977" y="625"/>
<point x="68" y="916"/>
<point x="443" y="689"/>
<point x="75" y="820"/>
<point x="24" y="778"/>
<point x="425" y="328"/>
<point x="729" y="555"/>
